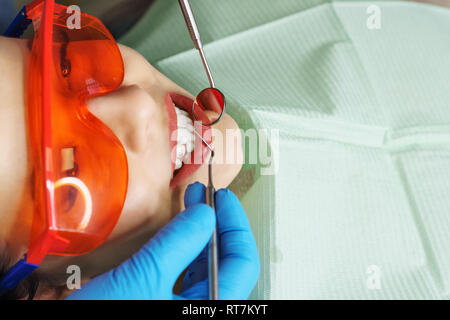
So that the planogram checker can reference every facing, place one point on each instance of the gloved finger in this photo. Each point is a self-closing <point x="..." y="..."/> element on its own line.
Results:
<point x="175" y="246"/>
<point x="197" y="271"/>
<point x="239" y="262"/>
<point x="151" y="272"/>
<point x="238" y="255"/>
<point x="195" y="194"/>
<point x="198" y="291"/>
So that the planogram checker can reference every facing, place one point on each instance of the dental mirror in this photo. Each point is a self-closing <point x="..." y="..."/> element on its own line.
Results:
<point x="209" y="106"/>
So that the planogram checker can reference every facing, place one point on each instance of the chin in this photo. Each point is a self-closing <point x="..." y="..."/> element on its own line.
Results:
<point x="223" y="172"/>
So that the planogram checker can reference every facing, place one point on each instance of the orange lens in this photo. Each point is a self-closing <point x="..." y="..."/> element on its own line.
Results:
<point x="88" y="161"/>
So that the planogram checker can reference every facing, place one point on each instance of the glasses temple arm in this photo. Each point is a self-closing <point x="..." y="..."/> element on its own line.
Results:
<point x="18" y="26"/>
<point x="16" y="274"/>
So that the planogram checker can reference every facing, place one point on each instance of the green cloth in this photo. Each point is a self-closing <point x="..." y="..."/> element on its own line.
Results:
<point x="362" y="188"/>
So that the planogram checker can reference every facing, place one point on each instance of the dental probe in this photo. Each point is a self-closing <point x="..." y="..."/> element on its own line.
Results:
<point x="213" y="265"/>
<point x="213" y="258"/>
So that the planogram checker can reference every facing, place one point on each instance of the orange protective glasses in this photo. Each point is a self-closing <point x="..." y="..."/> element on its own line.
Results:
<point x="80" y="167"/>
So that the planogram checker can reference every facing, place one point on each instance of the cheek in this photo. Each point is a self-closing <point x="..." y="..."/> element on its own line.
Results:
<point x="148" y="185"/>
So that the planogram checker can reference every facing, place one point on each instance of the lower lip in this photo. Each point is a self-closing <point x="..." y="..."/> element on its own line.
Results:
<point x="200" y="153"/>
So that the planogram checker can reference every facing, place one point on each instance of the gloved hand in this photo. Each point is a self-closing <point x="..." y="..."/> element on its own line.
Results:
<point x="151" y="272"/>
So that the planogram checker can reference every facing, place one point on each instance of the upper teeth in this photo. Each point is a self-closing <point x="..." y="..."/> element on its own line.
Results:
<point x="185" y="137"/>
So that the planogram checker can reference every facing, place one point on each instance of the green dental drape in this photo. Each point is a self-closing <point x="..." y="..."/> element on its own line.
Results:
<point x="361" y="182"/>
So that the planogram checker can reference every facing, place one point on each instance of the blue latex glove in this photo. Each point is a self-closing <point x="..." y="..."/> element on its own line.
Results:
<point x="151" y="272"/>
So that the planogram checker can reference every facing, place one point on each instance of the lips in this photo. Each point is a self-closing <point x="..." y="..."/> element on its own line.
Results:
<point x="200" y="153"/>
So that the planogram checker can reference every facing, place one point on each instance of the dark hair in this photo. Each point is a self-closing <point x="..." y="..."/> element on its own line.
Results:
<point x="26" y="289"/>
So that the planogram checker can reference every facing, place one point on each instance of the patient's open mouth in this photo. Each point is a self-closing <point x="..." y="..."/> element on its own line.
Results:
<point x="188" y="152"/>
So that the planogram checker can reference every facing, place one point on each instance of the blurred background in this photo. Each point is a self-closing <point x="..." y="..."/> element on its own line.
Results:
<point x="117" y="15"/>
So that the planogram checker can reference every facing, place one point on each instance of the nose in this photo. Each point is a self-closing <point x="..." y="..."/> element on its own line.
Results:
<point x="127" y="112"/>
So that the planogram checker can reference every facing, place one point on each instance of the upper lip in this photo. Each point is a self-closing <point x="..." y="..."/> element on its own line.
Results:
<point x="187" y="169"/>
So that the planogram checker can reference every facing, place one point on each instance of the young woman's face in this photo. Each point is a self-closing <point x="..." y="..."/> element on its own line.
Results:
<point x="137" y="114"/>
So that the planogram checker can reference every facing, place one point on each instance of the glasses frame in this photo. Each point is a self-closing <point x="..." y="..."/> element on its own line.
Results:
<point x="48" y="240"/>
